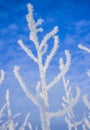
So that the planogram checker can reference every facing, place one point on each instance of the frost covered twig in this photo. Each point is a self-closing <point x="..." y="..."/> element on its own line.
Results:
<point x="53" y="51"/>
<point x="25" y="122"/>
<point x="28" y="52"/>
<point x="84" y="48"/>
<point x="68" y="108"/>
<point x="2" y="74"/>
<point x="22" y="84"/>
<point x="63" y="71"/>
<point x="48" y="36"/>
<point x="33" y="25"/>
<point x="67" y="99"/>
<point x="1" y="111"/>
<point x="11" y="123"/>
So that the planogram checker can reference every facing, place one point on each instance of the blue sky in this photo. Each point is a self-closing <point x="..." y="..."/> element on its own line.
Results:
<point x="73" y="20"/>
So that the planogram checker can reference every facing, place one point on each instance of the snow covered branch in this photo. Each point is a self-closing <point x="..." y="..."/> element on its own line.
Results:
<point x="63" y="71"/>
<point x="67" y="99"/>
<point x="11" y="123"/>
<point x="25" y="122"/>
<point x="84" y="48"/>
<point x="52" y="53"/>
<point x="48" y="36"/>
<point x="28" y="51"/>
<point x="33" y="25"/>
<point x="1" y="111"/>
<point x="2" y="74"/>
<point x="68" y="108"/>
<point x="86" y="101"/>
<point x="23" y="86"/>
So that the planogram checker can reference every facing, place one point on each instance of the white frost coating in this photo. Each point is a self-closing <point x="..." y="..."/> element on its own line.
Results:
<point x="22" y="84"/>
<point x="67" y="99"/>
<point x="33" y="26"/>
<point x="1" y="111"/>
<point x="63" y="71"/>
<point x="52" y="53"/>
<point x="86" y="102"/>
<point x="28" y="51"/>
<point x="84" y="48"/>
<point x="67" y="108"/>
<point x="2" y="74"/>
<point x="11" y="123"/>
<point x="48" y="36"/>
<point x="39" y="22"/>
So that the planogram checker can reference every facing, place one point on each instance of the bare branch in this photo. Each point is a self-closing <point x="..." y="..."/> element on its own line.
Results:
<point x="28" y="51"/>
<point x="63" y="71"/>
<point x="23" y="86"/>
<point x="68" y="108"/>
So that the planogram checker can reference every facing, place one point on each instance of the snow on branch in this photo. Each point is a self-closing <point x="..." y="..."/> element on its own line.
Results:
<point x="1" y="111"/>
<point x="67" y="99"/>
<point x="2" y="74"/>
<point x="52" y="53"/>
<point x="11" y="123"/>
<point x="86" y="101"/>
<point x="23" y="86"/>
<point x="33" y="25"/>
<point x="68" y="108"/>
<point x="84" y="48"/>
<point x="48" y="36"/>
<point x="25" y="122"/>
<point x="63" y="71"/>
<point x="28" y="51"/>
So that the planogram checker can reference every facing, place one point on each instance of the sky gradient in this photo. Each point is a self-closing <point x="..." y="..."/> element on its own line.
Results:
<point x="73" y="19"/>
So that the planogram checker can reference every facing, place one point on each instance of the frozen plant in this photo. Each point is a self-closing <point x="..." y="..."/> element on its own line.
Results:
<point x="42" y="88"/>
